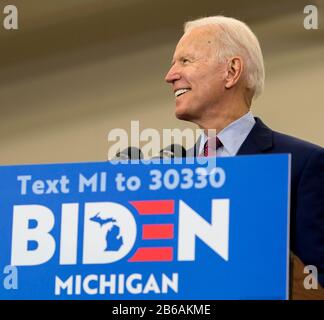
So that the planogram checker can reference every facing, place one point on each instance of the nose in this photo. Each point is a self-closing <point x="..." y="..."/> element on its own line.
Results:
<point x="172" y="75"/>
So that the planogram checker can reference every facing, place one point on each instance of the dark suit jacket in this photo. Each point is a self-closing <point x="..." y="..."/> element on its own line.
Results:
<point x="307" y="190"/>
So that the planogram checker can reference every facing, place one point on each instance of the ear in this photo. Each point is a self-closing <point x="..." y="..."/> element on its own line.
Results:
<point x="234" y="71"/>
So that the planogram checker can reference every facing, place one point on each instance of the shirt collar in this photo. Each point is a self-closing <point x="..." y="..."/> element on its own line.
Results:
<point x="233" y="136"/>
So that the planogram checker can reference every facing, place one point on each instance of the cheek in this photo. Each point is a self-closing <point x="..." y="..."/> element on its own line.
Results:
<point x="203" y="81"/>
<point x="207" y="87"/>
<point x="214" y="83"/>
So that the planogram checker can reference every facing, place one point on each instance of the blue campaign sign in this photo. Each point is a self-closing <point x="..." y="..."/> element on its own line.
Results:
<point x="146" y="231"/>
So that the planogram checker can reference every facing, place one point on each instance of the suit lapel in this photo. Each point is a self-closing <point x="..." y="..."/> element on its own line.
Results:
<point x="258" y="141"/>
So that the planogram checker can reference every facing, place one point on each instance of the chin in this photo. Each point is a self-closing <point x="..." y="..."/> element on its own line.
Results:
<point x="180" y="112"/>
<point x="182" y="115"/>
<point x="185" y="111"/>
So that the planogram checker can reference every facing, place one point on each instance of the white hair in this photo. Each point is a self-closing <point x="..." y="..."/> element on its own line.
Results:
<point x="234" y="37"/>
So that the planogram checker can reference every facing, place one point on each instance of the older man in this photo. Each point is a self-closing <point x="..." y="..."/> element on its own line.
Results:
<point x="217" y="70"/>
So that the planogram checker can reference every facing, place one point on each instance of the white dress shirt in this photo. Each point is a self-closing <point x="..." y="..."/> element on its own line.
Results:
<point x="232" y="136"/>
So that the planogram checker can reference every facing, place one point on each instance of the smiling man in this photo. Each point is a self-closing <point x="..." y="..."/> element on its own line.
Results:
<point x="217" y="70"/>
<point x="210" y="90"/>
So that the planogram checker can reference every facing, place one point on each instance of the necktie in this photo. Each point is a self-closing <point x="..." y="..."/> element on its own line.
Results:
<point x="218" y="145"/>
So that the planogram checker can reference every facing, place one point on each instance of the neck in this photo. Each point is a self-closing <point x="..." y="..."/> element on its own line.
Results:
<point x="220" y="117"/>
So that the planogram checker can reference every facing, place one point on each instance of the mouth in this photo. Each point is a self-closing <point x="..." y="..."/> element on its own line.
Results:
<point x="180" y="92"/>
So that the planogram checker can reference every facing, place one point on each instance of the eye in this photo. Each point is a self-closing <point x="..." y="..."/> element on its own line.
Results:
<point x="185" y="61"/>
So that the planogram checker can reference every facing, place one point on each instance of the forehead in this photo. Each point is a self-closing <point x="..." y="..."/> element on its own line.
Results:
<point x="196" y="41"/>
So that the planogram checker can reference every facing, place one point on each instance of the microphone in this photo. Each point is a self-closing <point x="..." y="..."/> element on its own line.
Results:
<point x="173" y="151"/>
<point x="130" y="153"/>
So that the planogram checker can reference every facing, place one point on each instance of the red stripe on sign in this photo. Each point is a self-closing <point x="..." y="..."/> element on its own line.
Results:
<point x="152" y="254"/>
<point x="154" y="206"/>
<point x="157" y="231"/>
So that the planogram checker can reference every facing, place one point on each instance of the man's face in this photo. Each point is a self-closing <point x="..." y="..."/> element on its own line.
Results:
<point x="196" y="77"/>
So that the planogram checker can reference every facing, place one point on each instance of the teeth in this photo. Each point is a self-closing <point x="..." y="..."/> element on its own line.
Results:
<point x="180" y="92"/>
